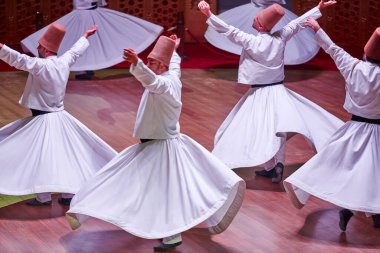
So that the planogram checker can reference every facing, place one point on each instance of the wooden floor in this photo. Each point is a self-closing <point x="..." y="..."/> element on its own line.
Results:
<point x="266" y="222"/>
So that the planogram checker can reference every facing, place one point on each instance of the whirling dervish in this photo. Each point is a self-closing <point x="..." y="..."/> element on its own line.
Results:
<point x="299" y="49"/>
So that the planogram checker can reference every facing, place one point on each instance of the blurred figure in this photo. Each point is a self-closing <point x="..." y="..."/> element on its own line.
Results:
<point x="115" y="31"/>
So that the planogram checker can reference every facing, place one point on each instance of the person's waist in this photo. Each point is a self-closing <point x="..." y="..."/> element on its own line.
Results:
<point x="365" y="120"/>
<point x="94" y="5"/>
<point x="256" y="85"/>
<point x="42" y="110"/>
<point x="38" y="112"/>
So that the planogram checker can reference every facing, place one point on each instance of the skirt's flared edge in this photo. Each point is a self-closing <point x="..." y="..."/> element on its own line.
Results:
<point x="39" y="189"/>
<point x="228" y="217"/>
<point x="220" y="227"/>
<point x="289" y="187"/>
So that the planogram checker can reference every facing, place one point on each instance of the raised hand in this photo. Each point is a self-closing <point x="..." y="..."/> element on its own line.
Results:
<point x="204" y="7"/>
<point x="322" y="4"/>
<point x="176" y="39"/>
<point x="90" y="32"/>
<point x="130" y="55"/>
<point x="313" y="24"/>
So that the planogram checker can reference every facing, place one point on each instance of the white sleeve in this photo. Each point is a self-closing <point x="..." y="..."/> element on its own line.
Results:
<point x="297" y="24"/>
<point x="21" y="61"/>
<point x="344" y="61"/>
<point x="72" y="55"/>
<point x="175" y="65"/>
<point x="232" y="33"/>
<point x="154" y="83"/>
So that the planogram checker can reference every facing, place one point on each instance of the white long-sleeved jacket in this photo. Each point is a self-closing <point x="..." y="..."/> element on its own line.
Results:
<point x="362" y="79"/>
<point x="160" y="105"/>
<point x="46" y="84"/>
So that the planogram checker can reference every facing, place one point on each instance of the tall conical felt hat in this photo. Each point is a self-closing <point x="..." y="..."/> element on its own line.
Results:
<point x="270" y="16"/>
<point x="372" y="48"/>
<point x="53" y="37"/>
<point x="163" y="50"/>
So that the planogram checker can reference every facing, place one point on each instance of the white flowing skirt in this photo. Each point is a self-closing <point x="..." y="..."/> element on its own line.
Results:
<point x="299" y="49"/>
<point x="53" y="152"/>
<point x="346" y="172"/>
<point x="116" y="31"/>
<point x="161" y="188"/>
<point x="250" y="135"/>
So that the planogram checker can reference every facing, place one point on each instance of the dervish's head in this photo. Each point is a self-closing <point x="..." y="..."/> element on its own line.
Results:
<point x="372" y="48"/>
<point x="266" y="19"/>
<point x="51" y="40"/>
<point x="159" y="58"/>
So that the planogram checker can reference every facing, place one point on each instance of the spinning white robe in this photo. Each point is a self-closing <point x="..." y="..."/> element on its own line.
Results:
<point x="251" y="133"/>
<point x="299" y="49"/>
<point x="116" y="31"/>
<point x="52" y="152"/>
<point x="165" y="186"/>
<point x="347" y="171"/>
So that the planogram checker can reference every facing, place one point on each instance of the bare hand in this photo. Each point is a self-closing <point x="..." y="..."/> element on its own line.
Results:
<point x="176" y="39"/>
<point x="323" y="4"/>
<point x="90" y="32"/>
<point x="1" y="45"/>
<point x="204" y="7"/>
<point x="313" y="24"/>
<point x="130" y="55"/>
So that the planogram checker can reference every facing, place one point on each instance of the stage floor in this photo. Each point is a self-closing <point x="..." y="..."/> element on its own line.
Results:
<point x="267" y="222"/>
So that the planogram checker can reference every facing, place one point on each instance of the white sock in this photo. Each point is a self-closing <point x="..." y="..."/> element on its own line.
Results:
<point x="172" y="239"/>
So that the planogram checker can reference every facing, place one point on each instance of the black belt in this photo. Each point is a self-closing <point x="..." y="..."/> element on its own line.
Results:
<point x="38" y="112"/>
<point x="365" y="120"/>
<point x="94" y="6"/>
<point x="145" y="140"/>
<point x="265" y="85"/>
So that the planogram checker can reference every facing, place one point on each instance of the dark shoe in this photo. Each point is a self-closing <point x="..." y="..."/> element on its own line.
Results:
<point x="344" y="217"/>
<point x="279" y="171"/>
<point x="166" y="247"/>
<point x="376" y="220"/>
<point x="35" y="202"/>
<point x="85" y="76"/>
<point x="65" y="202"/>
<point x="266" y="173"/>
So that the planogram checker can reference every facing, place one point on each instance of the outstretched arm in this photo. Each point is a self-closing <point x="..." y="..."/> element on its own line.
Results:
<point x="175" y="61"/>
<point x="20" y="61"/>
<point x="344" y="61"/>
<point x="72" y="55"/>
<point x="154" y="83"/>
<point x="204" y="7"/>
<point x="232" y="33"/>
<point x="298" y="24"/>
<point x="130" y="56"/>
<point x="90" y="32"/>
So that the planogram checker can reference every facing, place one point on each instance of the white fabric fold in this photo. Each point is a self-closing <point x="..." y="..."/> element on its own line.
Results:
<point x="116" y="31"/>
<point x="345" y="173"/>
<point x="251" y="134"/>
<point x="53" y="152"/>
<point x="163" y="188"/>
